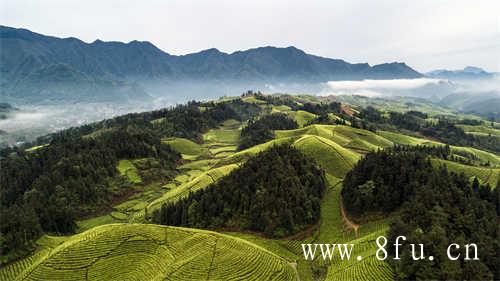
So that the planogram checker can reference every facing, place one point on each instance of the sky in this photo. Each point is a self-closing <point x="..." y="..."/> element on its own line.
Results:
<point x="426" y="34"/>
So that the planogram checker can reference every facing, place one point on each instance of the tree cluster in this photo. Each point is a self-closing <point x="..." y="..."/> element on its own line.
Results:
<point x="47" y="189"/>
<point x="277" y="192"/>
<point x="184" y="120"/>
<point x="277" y="100"/>
<point x="326" y="120"/>
<point x="260" y="130"/>
<point x="448" y="133"/>
<point x="322" y="108"/>
<point x="431" y="206"/>
<point x="444" y="130"/>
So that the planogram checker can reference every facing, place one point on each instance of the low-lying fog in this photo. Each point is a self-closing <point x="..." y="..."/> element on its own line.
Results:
<point x="34" y="120"/>
<point x="433" y="89"/>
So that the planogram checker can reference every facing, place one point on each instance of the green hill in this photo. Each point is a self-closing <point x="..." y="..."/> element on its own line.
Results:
<point x="184" y="146"/>
<point x="301" y="117"/>
<point x="485" y="175"/>
<point x="348" y="137"/>
<point x="152" y="252"/>
<point x="200" y="182"/>
<point x="335" y="159"/>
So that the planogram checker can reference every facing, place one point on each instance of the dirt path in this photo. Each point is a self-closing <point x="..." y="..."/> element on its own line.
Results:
<point x="350" y="224"/>
<point x="294" y="265"/>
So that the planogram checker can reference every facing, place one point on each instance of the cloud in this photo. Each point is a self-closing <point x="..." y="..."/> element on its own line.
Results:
<point x="375" y="88"/>
<point x="399" y="84"/>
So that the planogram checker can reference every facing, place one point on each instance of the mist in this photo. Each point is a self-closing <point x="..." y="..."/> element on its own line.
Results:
<point x="33" y="120"/>
<point x="422" y="87"/>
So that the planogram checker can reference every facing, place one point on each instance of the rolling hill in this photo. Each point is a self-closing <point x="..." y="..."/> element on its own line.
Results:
<point x="152" y="252"/>
<point x="120" y="243"/>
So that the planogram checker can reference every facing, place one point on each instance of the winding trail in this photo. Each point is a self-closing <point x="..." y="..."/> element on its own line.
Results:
<point x="294" y="265"/>
<point x="350" y="224"/>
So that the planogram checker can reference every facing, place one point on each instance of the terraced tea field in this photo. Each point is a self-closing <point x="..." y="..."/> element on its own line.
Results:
<point x="152" y="252"/>
<point x="335" y="159"/>
<point x="480" y="130"/>
<point x="186" y="147"/>
<point x="128" y="170"/>
<point x="485" y="175"/>
<point x="200" y="182"/>
<point x="302" y="117"/>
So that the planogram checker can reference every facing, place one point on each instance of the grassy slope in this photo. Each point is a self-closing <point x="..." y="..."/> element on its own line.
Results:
<point x="302" y="117"/>
<point x="184" y="146"/>
<point x="485" y="175"/>
<point x="406" y="140"/>
<point x="484" y="156"/>
<point x="480" y="130"/>
<point x="348" y="137"/>
<point x="151" y="252"/>
<point x="200" y="182"/>
<point x="128" y="170"/>
<point x="335" y="159"/>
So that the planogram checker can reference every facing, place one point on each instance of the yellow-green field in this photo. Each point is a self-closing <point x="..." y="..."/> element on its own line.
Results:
<point x="184" y="146"/>
<point x="301" y="117"/>
<point x="152" y="252"/>
<point x="484" y="174"/>
<point x="128" y="170"/>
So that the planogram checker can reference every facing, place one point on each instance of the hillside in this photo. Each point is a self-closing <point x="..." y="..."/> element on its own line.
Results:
<point x="151" y="252"/>
<point x="200" y="145"/>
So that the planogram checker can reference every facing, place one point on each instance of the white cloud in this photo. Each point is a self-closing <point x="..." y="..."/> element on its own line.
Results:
<point x="399" y="84"/>
<point x="376" y="88"/>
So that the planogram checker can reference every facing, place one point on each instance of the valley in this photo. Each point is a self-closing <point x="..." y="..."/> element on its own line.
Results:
<point x="121" y="242"/>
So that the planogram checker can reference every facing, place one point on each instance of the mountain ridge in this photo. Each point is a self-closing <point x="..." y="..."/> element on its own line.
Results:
<point x="467" y="73"/>
<point x="24" y="52"/>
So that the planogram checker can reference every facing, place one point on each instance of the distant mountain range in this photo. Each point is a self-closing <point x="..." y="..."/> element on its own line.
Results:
<point x="468" y="73"/>
<point x="5" y="110"/>
<point x="35" y="67"/>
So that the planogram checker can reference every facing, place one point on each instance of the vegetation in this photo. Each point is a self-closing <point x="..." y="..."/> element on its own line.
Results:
<point x="282" y="198"/>
<point x="128" y="170"/>
<point x="435" y="207"/>
<point x="336" y="159"/>
<point x="184" y="146"/>
<point x="47" y="189"/>
<point x="214" y="185"/>
<point x="451" y="134"/>
<point x="151" y="252"/>
<point x="444" y="130"/>
<point x="261" y="130"/>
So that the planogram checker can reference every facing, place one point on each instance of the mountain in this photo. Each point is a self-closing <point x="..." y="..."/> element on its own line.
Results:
<point x="485" y="104"/>
<point x="35" y="67"/>
<point x="468" y="73"/>
<point x="5" y="110"/>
